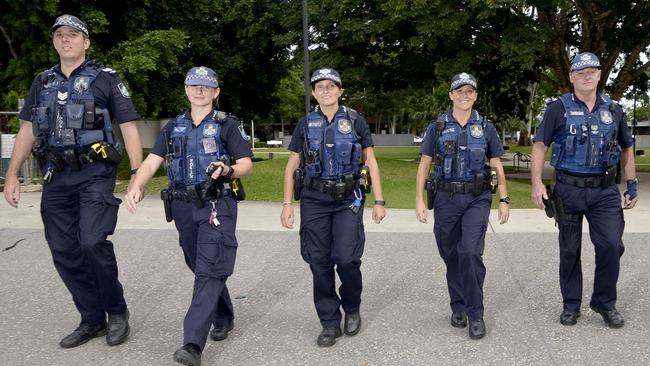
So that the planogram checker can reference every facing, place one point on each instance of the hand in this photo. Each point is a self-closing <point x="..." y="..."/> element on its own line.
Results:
<point x="421" y="212"/>
<point x="219" y="169"/>
<point x="286" y="218"/>
<point x="537" y="194"/>
<point x="629" y="203"/>
<point x="504" y="213"/>
<point x="133" y="197"/>
<point x="12" y="190"/>
<point x="378" y="213"/>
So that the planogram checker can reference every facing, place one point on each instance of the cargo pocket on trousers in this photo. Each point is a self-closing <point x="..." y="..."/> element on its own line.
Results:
<point x="305" y="242"/>
<point x="109" y="216"/>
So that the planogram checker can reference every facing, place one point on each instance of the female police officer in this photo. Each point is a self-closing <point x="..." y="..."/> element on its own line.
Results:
<point x="203" y="208"/>
<point x="332" y="142"/>
<point x="457" y="144"/>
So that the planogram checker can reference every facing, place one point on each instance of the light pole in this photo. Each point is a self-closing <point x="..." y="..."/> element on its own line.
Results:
<point x="305" y="48"/>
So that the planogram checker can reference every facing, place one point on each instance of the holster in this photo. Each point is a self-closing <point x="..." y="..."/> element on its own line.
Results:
<point x="297" y="183"/>
<point x="432" y="189"/>
<point x="549" y="204"/>
<point x="167" y="197"/>
<point x="237" y="189"/>
<point x="560" y="214"/>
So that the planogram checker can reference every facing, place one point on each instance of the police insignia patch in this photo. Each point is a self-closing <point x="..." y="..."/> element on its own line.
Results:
<point x="345" y="126"/>
<point x="606" y="117"/>
<point x="476" y="131"/>
<point x="123" y="90"/>
<point x="81" y="84"/>
<point x="243" y="133"/>
<point x="594" y="129"/>
<point x="210" y="130"/>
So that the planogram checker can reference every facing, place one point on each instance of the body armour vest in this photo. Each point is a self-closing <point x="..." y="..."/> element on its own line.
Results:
<point x="66" y="116"/>
<point x="460" y="151"/>
<point x="333" y="149"/>
<point x="588" y="144"/>
<point x="192" y="149"/>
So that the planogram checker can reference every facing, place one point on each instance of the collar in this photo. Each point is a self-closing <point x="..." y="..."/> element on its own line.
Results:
<point x="599" y="100"/>
<point x="474" y="117"/>
<point x="87" y="62"/>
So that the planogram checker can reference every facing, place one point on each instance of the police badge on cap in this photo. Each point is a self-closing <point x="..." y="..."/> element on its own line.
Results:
<point x="71" y="21"/>
<point x="202" y="76"/>
<point x="462" y="79"/>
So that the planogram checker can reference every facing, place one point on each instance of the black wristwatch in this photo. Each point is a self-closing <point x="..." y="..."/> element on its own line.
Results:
<point x="505" y="199"/>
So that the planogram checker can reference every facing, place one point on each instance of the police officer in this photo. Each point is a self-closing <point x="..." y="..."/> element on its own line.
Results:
<point x="205" y="150"/>
<point x="587" y="131"/>
<point x="457" y="145"/>
<point x="68" y="115"/>
<point x="329" y="145"/>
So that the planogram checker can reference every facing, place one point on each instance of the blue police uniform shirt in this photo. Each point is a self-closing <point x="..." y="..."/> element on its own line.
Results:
<point x="108" y="89"/>
<point x="360" y="126"/>
<point x="494" y="146"/>
<point x="231" y="138"/>
<point x="554" y="122"/>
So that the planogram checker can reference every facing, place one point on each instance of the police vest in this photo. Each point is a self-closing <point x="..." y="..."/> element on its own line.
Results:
<point x="460" y="152"/>
<point x="588" y="144"/>
<point x="333" y="148"/>
<point x="66" y="116"/>
<point x="192" y="149"/>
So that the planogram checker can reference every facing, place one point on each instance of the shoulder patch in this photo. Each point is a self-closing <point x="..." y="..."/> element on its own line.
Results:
<point x="123" y="90"/>
<point x="242" y="132"/>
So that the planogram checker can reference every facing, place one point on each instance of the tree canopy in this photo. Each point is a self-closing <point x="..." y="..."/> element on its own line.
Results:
<point x="396" y="57"/>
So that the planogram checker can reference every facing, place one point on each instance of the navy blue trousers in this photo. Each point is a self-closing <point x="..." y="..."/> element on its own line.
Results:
<point x="460" y="225"/>
<point x="331" y="234"/>
<point x="602" y="208"/>
<point x="210" y="253"/>
<point x="79" y="212"/>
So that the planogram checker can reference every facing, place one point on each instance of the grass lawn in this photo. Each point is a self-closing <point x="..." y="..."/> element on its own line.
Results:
<point x="398" y="167"/>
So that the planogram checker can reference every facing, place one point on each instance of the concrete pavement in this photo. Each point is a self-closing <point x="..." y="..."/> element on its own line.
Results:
<point x="405" y="303"/>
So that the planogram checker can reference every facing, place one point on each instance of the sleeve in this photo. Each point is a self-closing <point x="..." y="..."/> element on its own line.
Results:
<point x="428" y="143"/>
<point x="363" y="131"/>
<point x="120" y="104"/>
<point x="31" y="100"/>
<point x="552" y="123"/>
<point x="495" y="147"/>
<point x="234" y="139"/>
<point x="624" y="137"/>
<point x="298" y="136"/>
<point x="160" y="146"/>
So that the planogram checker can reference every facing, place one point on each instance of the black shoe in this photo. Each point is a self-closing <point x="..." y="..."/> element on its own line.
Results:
<point x="458" y="319"/>
<point x="328" y="335"/>
<point x="188" y="355"/>
<point x="612" y="318"/>
<point x="118" y="328"/>
<point x="219" y="334"/>
<point x="569" y="317"/>
<point x="352" y="323"/>
<point x="83" y="334"/>
<point x="476" y="329"/>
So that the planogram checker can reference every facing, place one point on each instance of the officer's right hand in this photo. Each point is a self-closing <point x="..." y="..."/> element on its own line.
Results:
<point x="286" y="217"/>
<point x="12" y="190"/>
<point x="421" y="212"/>
<point x="132" y="197"/>
<point x="538" y="194"/>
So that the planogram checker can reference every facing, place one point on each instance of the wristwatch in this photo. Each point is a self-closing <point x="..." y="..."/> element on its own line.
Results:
<point x="505" y="200"/>
<point x="632" y="181"/>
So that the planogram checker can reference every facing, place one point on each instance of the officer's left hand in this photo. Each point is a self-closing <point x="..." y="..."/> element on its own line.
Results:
<point x="378" y="213"/>
<point x="504" y="213"/>
<point x="630" y="203"/>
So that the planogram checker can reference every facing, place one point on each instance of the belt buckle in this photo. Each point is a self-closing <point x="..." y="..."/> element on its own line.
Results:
<point x="590" y="182"/>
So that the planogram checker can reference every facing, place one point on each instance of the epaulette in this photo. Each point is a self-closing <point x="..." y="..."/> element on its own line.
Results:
<point x="551" y="100"/>
<point x="109" y="70"/>
<point x="353" y="114"/>
<point x="219" y="115"/>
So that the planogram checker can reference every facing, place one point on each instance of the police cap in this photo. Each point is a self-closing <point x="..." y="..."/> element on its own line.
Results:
<point x="462" y="79"/>
<point x="71" y="21"/>
<point x="202" y="75"/>
<point x="326" y="74"/>
<point x="584" y="60"/>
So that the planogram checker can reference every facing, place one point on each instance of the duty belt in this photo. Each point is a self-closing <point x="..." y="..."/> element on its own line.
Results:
<point x="339" y="189"/>
<point x="196" y="195"/>
<point x="604" y="180"/>
<point x="462" y="187"/>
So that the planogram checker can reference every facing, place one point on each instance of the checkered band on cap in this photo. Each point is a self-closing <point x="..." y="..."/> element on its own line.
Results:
<point x="202" y="76"/>
<point x="326" y="74"/>
<point x="584" y="61"/>
<point x="462" y="79"/>
<point x="70" y="21"/>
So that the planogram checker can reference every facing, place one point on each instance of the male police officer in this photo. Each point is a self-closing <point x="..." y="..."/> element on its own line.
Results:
<point x="68" y="115"/>
<point x="587" y="131"/>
